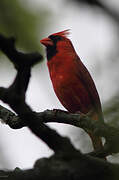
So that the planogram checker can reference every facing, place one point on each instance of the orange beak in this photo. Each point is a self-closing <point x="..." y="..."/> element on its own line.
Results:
<point x="46" y="42"/>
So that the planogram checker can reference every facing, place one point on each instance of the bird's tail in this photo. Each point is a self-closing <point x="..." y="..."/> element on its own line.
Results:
<point x="96" y="141"/>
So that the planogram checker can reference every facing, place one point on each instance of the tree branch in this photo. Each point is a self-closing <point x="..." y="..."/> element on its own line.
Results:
<point x="19" y="59"/>
<point x="79" y="167"/>
<point x="111" y="134"/>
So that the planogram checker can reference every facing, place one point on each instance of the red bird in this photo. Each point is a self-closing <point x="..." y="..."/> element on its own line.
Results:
<point x="71" y="80"/>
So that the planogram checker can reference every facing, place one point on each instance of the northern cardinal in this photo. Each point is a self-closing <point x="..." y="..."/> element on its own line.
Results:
<point x="71" y="80"/>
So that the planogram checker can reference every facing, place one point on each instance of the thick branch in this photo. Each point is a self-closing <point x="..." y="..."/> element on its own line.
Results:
<point x="79" y="167"/>
<point x="111" y="134"/>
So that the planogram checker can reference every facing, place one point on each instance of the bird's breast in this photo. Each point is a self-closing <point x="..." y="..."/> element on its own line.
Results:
<point x="70" y="91"/>
<point x="69" y="88"/>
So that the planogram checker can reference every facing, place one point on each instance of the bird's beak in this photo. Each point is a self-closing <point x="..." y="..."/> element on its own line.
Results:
<point x="46" y="42"/>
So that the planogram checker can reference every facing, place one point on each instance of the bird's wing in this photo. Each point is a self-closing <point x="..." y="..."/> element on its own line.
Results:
<point x="88" y="83"/>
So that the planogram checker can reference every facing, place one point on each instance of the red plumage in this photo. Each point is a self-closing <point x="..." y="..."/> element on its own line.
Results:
<point x="71" y="80"/>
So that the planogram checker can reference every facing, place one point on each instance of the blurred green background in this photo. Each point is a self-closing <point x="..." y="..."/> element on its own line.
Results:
<point x="23" y="22"/>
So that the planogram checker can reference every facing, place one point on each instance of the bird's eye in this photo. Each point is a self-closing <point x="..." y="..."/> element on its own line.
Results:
<point x="55" y="39"/>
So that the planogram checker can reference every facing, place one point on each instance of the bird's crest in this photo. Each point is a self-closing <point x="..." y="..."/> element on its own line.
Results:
<point x="64" y="33"/>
